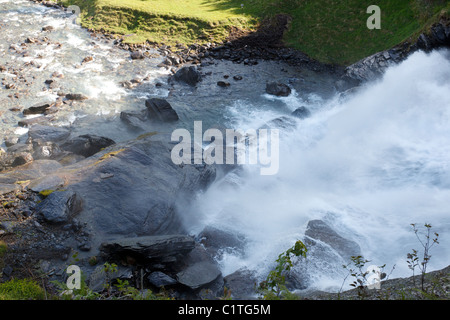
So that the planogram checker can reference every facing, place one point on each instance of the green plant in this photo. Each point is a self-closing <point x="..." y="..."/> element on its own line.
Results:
<point x="427" y="242"/>
<point x="21" y="289"/>
<point x="274" y="287"/>
<point x="362" y="278"/>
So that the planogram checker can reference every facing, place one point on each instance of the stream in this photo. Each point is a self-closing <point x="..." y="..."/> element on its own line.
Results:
<point x="368" y="164"/>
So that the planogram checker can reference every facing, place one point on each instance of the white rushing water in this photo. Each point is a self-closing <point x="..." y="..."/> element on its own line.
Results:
<point x="369" y="166"/>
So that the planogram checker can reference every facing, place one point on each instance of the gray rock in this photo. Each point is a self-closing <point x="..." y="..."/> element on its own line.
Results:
<point x="48" y="133"/>
<point x="161" y="109"/>
<point x="50" y="182"/>
<point x="199" y="274"/>
<point x="135" y="120"/>
<point x="301" y="112"/>
<point x="242" y="284"/>
<point x="59" y="207"/>
<point x="86" y="145"/>
<point x="214" y="240"/>
<point x="319" y="230"/>
<point x="278" y="89"/>
<point x="151" y="249"/>
<point x="188" y="75"/>
<point x="160" y="279"/>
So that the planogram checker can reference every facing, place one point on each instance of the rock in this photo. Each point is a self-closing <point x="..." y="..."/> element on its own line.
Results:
<point x="242" y="284"/>
<point x="36" y="109"/>
<point x="161" y="110"/>
<point x="282" y="122"/>
<point x="45" y="149"/>
<point x="223" y="84"/>
<point x="214" y="240"/>
<point x="47" y="28"/>
<point x="301" y="112"/>
<point x="87" y="59"/>
<point x="199" y="274"/>
<point x="319" y="230"/>
<point x="137" y="55"/>
<point x="163" y="249"/>
<point x="59" y="207"/>
<point x="134" y="119"/>
<point x="48" y="133"/>
<point x="86" y="145"/>
<point x="160" y="279"/>
<point x="278" y="89"/>
<point x="31" y="121"/>
<point x="50" y="182"/>
<point x="237" y="78"/>
<point x="141" y="197"/>
<point x="76" y="96"/>
<point x="98" y="278"/>
<point x="189" y="75"/>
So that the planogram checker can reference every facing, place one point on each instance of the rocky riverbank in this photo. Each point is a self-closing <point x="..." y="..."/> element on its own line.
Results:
<point x="86" y="199"/>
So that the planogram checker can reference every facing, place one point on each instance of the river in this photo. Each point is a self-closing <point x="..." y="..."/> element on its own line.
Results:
<point x="369" y="164"/>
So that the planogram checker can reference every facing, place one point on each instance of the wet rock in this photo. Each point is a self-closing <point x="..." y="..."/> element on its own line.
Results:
<point x="301" y="112"/>
<point x="319" y="230"/>
<point x="161" y="109"/>
<point x="37" y="109"/>
<point x="50" y="182"/>
<point x="199" y="274"/>
<point x="32" y="121"/>
<point x="48" y="133"/>
<point x="59" y="207"/>
<point x="45" y="149"/>
<point x="160" y="279"/>
<point x="134" y="119"/>
<point x="242" y="284"/>
<point x="223" y="84"/>
<point x="48" y="28"/>
<point x="278" y="89"/>
<point x="237" y="77"/>
<point x="137" y="55"/>
<point x="76" y="96"/>
<point x="164" y="249"/>
<point x="86" y="145"/>
<point x="189" y="75"/>
<point x="282" y="122"/>
<point x="216" y="240"/>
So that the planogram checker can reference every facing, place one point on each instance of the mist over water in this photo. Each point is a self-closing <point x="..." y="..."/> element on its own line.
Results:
<point x="369" y="165"/>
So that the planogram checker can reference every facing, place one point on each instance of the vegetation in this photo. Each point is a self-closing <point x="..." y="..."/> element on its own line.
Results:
<point x="274" y="287"/>
<point x="21" y="289"/>
<point x="327" y="30"/>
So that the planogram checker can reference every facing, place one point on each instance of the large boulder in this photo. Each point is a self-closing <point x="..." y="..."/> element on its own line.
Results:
<point x="189" y="75"/>
<point x="319" y="230"/>
<point x="134" y="189"/>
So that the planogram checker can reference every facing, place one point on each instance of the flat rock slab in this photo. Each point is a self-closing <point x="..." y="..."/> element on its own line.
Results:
<point x="164" y="248"/>
<point x="199" y="274"/>
<point x="59" y="206"/>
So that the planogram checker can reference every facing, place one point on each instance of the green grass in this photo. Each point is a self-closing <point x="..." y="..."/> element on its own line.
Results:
<point x="331" y="31"/>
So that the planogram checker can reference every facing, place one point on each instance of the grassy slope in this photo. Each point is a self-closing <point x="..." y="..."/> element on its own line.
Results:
<point x="332" y="31"/>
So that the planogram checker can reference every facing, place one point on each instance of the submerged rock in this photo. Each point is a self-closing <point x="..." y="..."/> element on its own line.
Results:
<point x="278" y="89"/>
<point x="301" y="112"/>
